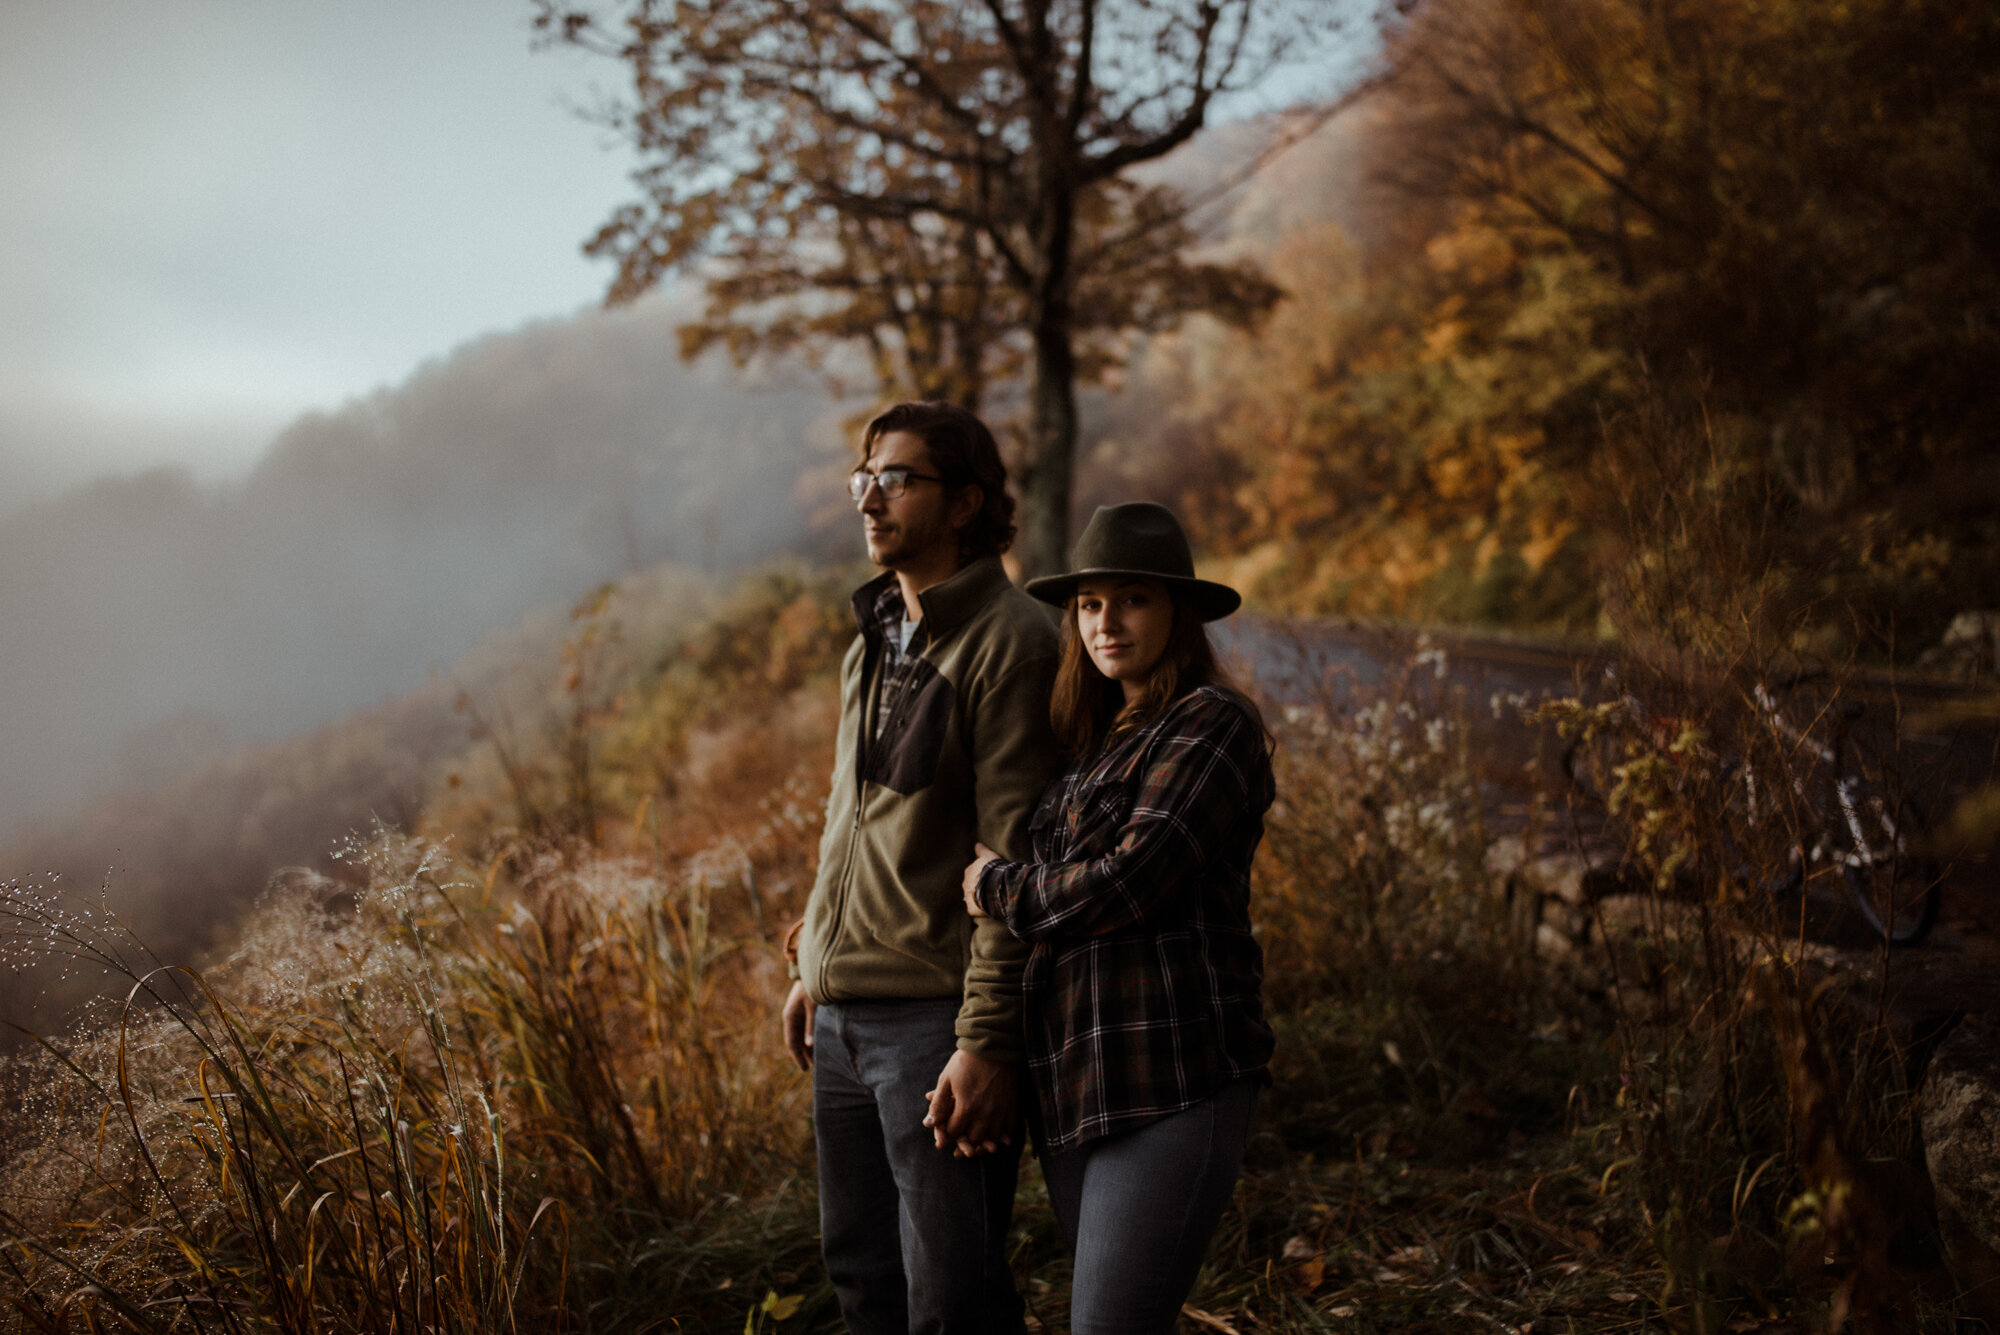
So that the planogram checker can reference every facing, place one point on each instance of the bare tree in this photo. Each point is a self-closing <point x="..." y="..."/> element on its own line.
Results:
<point x="940" y="179"/>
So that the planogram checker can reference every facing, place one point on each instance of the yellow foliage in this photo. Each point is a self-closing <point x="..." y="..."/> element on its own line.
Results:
<point x="1681" y="301"/>
<point x="1546" y="536"/>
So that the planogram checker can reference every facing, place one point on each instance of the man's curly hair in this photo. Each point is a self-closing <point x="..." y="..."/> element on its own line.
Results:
<point x="964" y="453"/>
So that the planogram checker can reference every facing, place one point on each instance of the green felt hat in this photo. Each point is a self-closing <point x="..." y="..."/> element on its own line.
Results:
<point x="1138" y="540"/>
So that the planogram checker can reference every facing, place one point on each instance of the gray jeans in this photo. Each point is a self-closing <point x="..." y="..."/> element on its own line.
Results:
<point x="914" y="1239"/>
<point x="1137" y="1210"/>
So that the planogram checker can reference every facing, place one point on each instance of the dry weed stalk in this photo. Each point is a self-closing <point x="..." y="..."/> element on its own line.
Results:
<point x="392" y="1109"/>
<point x="1427" y="1160"/>
<point x="1766" y="1107"/>
<point x="1375" y="862"/>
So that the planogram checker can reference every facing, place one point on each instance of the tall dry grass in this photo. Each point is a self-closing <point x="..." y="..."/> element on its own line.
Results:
<point x="1699" y="1114"/>
<point x="1767" y="1099"/>
<point x="426" y="1103"/>
<point x="537" y="1084"/>
<point x="1764" y="1117"/>
<point x="1422" y="1160"/>
<point x="533" y="1081"/>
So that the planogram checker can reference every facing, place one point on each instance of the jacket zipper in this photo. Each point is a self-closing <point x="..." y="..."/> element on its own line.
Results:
<point x="853" y="829"/>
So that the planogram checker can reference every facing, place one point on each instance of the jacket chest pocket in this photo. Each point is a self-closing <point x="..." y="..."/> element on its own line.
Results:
<point x="1094" y="817"/>
<point x="1075" y="817"/>
<point x="904" y="756"/>
<point x="1045" y="828"/>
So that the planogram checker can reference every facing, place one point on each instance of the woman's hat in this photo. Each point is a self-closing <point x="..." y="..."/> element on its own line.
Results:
<point x="1139" y="540"/>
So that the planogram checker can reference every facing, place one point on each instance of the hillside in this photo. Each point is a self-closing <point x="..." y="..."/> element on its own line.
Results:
<point x="380" y="540"/>
<point x="182" y="853"/>
<point x="1672" y="328"/>
<point x="529" y="1051"/>
<point x="307" y="631"/>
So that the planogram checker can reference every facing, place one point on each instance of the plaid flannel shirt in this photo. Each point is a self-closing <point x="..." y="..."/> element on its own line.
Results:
<point x="899" y="667"/>
<point x="1144" y="991"/>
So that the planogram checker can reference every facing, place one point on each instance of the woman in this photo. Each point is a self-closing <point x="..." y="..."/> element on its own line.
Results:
<point x="1146" y="1040"/>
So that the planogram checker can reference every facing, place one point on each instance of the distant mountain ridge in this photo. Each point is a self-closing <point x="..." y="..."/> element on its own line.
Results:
<point x="205" y="683"/>
<point x="375" y="541"/>
<point x="380" y="539"/>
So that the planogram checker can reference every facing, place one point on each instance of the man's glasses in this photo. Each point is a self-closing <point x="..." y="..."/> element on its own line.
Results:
<point x="891" y="481"/>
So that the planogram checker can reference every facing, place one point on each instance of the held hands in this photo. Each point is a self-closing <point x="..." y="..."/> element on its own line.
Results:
<point x="973" y="1107"/>
<point x="981" y="856"/>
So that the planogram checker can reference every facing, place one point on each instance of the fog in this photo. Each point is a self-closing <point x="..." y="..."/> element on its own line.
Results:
<point x="152" y="620"/>
<point x="207" y="678"/>
<point x="158" y="619"/>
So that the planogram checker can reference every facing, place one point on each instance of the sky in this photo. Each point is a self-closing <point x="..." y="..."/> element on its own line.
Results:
<point x="325" y="256"/>
<point x="217" y="214"/>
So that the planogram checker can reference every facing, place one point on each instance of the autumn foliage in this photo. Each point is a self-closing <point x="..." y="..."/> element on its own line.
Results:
<point x="1671" y="319"/>
<point x="1685" y="303"/>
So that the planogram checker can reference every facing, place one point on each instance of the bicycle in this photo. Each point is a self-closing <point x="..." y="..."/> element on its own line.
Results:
<point x="1796" y="802"/>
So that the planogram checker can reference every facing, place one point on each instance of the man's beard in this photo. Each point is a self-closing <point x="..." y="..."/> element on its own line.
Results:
<point x="900" y="544"/>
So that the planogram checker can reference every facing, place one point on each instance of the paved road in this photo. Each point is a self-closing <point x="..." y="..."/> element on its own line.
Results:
<point x="1316" y="660"/>
<point x="1312" y="659"/>
<point x="1308" y="660"/>
<point x="1291" y="658"/>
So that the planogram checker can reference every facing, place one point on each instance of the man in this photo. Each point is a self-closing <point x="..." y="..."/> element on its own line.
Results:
<point x="901" y="998"/>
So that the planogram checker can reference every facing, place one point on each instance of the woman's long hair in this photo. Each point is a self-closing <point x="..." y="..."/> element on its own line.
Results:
<point x="1088" y="707"/>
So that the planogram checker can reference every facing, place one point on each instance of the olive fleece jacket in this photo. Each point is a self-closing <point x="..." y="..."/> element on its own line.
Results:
<point x="964" y="756"/>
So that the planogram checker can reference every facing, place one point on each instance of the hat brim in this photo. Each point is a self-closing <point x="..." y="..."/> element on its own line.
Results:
<point x="1211" y="601"/>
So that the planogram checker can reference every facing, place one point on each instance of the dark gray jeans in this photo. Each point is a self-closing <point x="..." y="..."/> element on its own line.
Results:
<point x="914" y="1240"/>
<point x="1137" y="1210"/>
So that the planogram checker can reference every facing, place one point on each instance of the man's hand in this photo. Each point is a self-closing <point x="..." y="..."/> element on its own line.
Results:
<point x="973" y="1106"/>
<point x="970" y="883"/>
<point x="798" y="1025"/>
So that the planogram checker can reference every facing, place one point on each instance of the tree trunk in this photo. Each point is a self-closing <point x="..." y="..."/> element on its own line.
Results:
<point x="1051" y="465"/>
<point x="1048" y="481"/>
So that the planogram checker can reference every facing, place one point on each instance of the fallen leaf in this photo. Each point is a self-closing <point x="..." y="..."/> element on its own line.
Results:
<point x="1298" y="1247"/>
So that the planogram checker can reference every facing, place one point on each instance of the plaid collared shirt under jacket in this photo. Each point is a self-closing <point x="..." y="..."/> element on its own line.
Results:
<point x="900" y="669"/>
<point x="1144" y="992"/>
